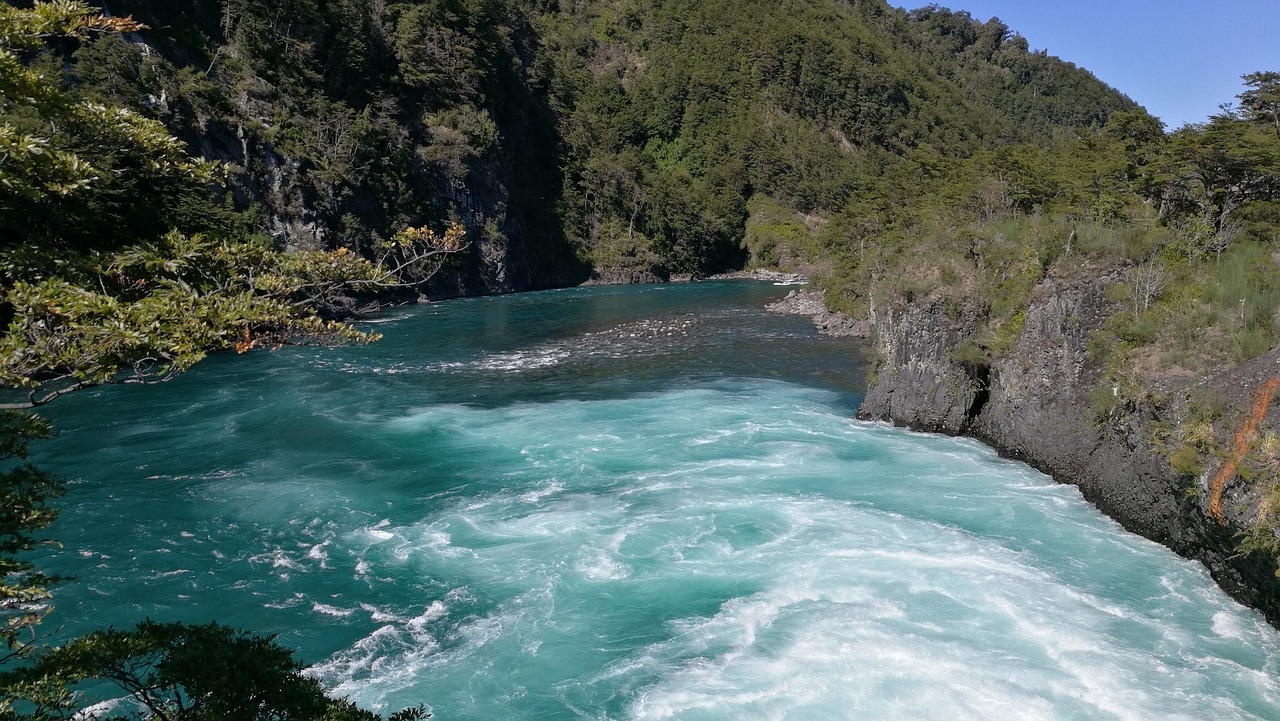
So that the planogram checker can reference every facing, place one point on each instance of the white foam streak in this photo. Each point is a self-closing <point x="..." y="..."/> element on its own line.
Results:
<point x="332" y="610"/>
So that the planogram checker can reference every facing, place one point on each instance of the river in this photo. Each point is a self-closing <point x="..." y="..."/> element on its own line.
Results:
<point x="644" y="502"/>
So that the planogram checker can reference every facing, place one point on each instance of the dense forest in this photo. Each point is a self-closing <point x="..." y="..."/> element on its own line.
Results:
<point x="628" y="138"/>
<point x="177" y="178"/>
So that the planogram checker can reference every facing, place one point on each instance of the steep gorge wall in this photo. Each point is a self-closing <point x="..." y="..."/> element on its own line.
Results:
<point x="340" y="124"/>
<point x="1033" y="404"/>
<point x="301" y="207"/>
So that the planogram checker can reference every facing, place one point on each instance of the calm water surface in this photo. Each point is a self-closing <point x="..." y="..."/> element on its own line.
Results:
<point x="627" y="503"/>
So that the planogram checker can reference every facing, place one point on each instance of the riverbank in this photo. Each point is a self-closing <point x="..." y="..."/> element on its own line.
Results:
<point x="810" y="303"/>
<point x="1037" y="401"/>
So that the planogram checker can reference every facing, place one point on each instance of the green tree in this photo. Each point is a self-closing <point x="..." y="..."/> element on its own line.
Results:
<point x="93" y="313"/>
<point x="1211" y="171"/>
<point x="1261" y="102"/>
<point x="154" y="310"/>
<point x="1142" y="138"/>
<point x="175" y="672"/>
<point x="69" y="166"/>
<point x="25" y="511"/>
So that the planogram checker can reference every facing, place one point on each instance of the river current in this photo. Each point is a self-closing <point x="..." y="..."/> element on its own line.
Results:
<point x="645" y="502"/>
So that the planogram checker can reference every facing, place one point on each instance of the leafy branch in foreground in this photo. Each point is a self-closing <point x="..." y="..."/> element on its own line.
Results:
<point x="26" y="492"/>
<point x="52" y="146"/>
<point x="176" y="672"/>
<point x="153" y="311"/>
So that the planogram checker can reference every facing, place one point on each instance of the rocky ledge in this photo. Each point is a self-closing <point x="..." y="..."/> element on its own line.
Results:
<point x="1032" y="403"/>
<point x="776" y="276"/>
<point x="809" y="302"/>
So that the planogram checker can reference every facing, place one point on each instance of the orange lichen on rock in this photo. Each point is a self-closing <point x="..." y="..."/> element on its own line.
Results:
<point x="1240" y="447"/>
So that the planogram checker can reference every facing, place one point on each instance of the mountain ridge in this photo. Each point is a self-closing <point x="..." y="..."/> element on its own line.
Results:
<point x="617" y="137"/>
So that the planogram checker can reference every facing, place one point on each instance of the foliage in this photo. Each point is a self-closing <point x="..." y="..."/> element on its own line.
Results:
<point x="688" y="113"/>
<point x="345" y="121"/>
<point x="1263" y="468"/>
<point x="1186" y="219"/>
<point x="775" y="236"/>
<point x="157" y="309"/>
<point x="174" y="672"/>
<point x="67" y="163"/>
<point x="1211" y="171"/>
<point x="1192" y="445"/>
<point x="98" y="311"/>
<point x="1261" y="102"/>
<point x="26" y="492"/>
<point x="611" y="131"/>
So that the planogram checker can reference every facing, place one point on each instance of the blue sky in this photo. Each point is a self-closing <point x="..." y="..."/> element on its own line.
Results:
<point x="1179" y="59"/>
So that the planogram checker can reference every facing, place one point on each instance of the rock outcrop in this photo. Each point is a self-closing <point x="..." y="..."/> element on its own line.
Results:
<point x="918" y="383"/>
<point x="1032" y="403"/>
<point x="809" y="302"/>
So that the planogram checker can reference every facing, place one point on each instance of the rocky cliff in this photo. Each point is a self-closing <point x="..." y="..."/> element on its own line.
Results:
<point x="1038" y="402"/>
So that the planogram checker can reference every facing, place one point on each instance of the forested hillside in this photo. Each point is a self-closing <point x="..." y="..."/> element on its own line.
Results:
<point x="633" y="139"/>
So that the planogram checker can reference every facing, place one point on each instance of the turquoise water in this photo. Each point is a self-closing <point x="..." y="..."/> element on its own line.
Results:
<point x="627" y="503"/>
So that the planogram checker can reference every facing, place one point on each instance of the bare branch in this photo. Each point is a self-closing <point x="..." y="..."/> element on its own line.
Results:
<point x="1149" y="279"/>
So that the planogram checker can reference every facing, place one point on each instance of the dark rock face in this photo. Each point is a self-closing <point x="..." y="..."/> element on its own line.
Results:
<point x="627" y="276"/>
<point x="918" y="383"/>
<point x="1032" y="404"/>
